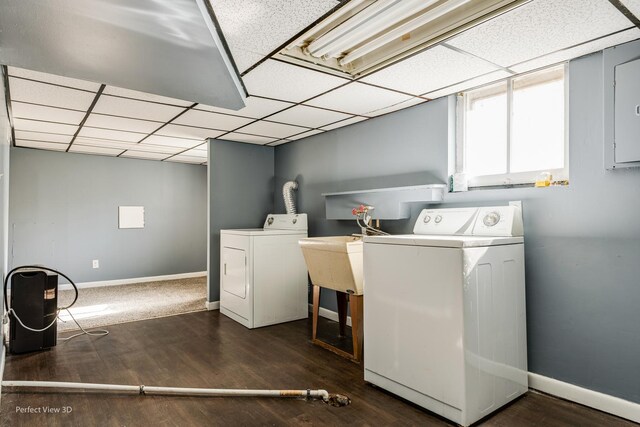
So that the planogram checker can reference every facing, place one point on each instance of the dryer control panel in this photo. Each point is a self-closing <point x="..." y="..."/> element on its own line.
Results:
<point x="285" y="222"/>
<point x="485" y="221"/>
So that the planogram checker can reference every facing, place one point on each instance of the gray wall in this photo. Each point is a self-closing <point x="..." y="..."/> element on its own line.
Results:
<point x="5" y="141"/>
<point x="240" y="195"/>
<point x="386" y="148"/>
<point x="582" y="242"/>
<point x="64" y="214"/>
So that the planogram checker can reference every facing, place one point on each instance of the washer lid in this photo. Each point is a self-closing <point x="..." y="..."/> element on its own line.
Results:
<point x="443" y="241"/>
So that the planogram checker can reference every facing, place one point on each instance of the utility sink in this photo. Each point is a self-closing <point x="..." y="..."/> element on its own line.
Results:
<point x="335" y="262"/>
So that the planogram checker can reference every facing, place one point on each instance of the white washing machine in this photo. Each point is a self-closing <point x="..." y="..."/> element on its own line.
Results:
<point x="444" y="311"/>
<point x="263" y="276"/>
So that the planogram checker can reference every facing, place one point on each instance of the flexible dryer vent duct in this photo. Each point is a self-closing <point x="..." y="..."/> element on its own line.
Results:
<point x="287" y="194"/>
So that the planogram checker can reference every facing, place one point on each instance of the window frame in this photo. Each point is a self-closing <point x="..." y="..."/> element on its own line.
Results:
<point x="509" y="178"/>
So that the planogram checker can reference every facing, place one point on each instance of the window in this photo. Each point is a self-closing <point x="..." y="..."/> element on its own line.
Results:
<point x="511" y="132"/>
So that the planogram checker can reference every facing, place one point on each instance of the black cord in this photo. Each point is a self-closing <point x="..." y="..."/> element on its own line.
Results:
<point x="6" y="281"/>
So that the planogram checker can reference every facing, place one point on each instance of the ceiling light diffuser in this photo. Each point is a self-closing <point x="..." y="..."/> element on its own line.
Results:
<point x="365" y="35"/>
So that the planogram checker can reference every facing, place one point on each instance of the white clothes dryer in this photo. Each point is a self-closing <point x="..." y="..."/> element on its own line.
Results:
<point x="263" y="276"/>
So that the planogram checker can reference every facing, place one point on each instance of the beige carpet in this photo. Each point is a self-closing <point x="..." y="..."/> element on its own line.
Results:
<point x="109" y="305"/>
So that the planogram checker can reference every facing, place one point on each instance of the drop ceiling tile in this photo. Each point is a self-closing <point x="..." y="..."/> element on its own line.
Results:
<point x="344" y="123"/>
<point x="172" y="142"/>
<point x="107" y="143"/>
<point x="575" y="52"/>
<point x="430" y="70"/>
<point x="51" y="114"/>
<point x="163" y="149"/>
<point x="46" y="127"/>
<point x="116" y="135"/>
<point x="206" y="119"/>
<point x="261" y="26"/>
<point x="144" y="155"/>
<point x="255" y="107"/>
<point x="42" y="145"/>
<point x="245" y="59"/>
<point x="136" y="109"/>
<point x="51" y="78"/>
<point x="469" y="84"/>
<point x="396" y="107"/>
<point x="540" y="27"/>
<point x="143" y="96"/>
<point x="121" y="123"/>
<point x="251" y="139"/>
<point x="312" y="117"/>
<point x="45" y="137"/>
<point x="279" y="142"/>
<point x="275" y="79"/>
<point x="358" y="98"/>
<point x="271" y="129"/>
<point x="181" y="131"/>
<point x="180" y="158"/>
<point x="47" y="94"/>
<point x="196" y="152"/>
<point x="304" y="134"/>
<point x="633" y="6"/>
<point x="86" y="149"/>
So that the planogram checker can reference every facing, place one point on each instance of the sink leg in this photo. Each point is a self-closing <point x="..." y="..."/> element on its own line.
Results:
<point x="316" y="309"/>
<point x="356" y="303"/>
<point x="342" y="312"/>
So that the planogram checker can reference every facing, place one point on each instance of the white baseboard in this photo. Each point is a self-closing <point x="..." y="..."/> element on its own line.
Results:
<point x="329" y="314"/>
<point x="213" y="305"/>
<point x="603" y="402"/>
<point x="133" y="280"/>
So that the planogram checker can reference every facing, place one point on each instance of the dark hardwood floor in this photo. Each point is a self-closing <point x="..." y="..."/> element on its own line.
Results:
<point x="206" y="349"/>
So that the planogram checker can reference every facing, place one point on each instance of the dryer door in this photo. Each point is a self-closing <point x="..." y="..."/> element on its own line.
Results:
<point x="234" y="271"/>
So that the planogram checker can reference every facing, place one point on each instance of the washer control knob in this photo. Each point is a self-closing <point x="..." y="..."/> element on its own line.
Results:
<point x="270" y="220"/>
<point x="438" y="219"/>
<point x="295" y="220"/>
<point x="426" y="219"/>
<point x="491" y="219"/>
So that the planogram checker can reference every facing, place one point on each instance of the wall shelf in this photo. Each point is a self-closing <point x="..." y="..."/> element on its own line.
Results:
<point x="389" y="203"/>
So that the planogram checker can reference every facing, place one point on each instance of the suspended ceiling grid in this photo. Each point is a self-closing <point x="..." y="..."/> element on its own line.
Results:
<point x="288" y="102"/>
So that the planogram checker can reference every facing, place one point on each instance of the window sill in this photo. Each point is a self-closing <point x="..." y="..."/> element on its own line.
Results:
<point x="506" y="186"/>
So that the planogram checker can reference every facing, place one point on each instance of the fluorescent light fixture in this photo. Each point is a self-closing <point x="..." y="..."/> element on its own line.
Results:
<point x="405" y="28"/>
<point x="365" y="35"/>
<point x="378" y="16"/>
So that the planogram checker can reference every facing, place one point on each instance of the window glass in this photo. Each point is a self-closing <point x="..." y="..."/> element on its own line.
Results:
<point x="513" y="131"/>
<point x="537" y="122"/>
<point x="486" y="130"/>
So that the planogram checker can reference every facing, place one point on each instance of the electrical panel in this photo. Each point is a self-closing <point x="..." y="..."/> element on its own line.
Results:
<point x="627" y="112"/>
<point x="621" y="108"/>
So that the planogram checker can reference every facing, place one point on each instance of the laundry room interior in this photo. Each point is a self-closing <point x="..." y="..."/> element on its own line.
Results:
<point x="326" y="212"/>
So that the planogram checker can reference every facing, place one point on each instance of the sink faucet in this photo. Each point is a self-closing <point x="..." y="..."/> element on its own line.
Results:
<point x="366" y="229"/>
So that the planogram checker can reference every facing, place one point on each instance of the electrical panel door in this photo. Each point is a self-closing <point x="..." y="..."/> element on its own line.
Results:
<point x="627" y="112"/>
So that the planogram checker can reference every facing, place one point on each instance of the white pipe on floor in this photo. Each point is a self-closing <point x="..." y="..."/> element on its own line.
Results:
<point x="182" y="391"/>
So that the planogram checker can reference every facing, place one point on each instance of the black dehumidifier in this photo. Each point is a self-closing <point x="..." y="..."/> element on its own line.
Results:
<point x="34" y="299"/>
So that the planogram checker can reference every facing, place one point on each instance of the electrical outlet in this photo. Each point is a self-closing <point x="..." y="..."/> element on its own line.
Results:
<point x="96" y="263"/>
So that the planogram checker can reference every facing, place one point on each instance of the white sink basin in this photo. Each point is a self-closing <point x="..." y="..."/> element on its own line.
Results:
<point x="335" y="262"/>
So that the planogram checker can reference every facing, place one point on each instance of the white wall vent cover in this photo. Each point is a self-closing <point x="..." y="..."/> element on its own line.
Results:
<point x="130" y="216"/>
